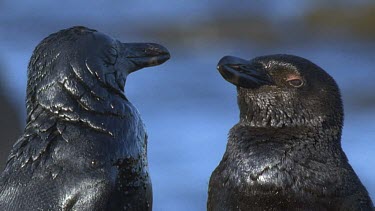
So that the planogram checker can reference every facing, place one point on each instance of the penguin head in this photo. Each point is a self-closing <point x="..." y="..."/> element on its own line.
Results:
<point x="93" y="56"/>
<point x="283" y="90"/>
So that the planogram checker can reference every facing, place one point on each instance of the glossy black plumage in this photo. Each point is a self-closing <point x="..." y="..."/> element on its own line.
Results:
<point x="285" y="152"/>
<point x="84" y="146"/>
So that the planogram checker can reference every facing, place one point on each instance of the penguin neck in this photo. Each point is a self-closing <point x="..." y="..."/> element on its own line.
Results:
<point x="273" y="111"/>
<point x="274" y="143"/>
<point x="273" y="120"/>
<point x="270" y="115"/>
<point x="267" y="112"/>
<point x="317" y="132"/>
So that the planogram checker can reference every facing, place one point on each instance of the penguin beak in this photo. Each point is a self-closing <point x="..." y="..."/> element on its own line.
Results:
<point x="243" y="73"/>
<point x="144" y="54"/>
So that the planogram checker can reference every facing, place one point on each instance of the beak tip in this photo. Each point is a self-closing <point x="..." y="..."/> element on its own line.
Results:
<point x="163" y="58"/>
<point x="147" y="54"/>
<point x="158" y="49"/>
<point x="160" y="52"/>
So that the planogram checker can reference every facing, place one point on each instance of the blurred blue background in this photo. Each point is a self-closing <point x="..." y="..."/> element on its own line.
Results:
<point x="186" y="105"/>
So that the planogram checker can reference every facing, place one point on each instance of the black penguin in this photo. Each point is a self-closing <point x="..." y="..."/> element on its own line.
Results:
<point x="285" y="152"/>
<point x="84" y="145"/>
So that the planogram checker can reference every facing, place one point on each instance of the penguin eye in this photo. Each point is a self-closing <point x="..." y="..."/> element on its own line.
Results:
<point x="110" y="55"/>
<point x="295" y="82"/>
<point x="112" y="51"/>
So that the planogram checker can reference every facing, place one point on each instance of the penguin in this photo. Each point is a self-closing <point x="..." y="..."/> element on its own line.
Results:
<point x="84" y="146"/>
<point x="285" y="152"/>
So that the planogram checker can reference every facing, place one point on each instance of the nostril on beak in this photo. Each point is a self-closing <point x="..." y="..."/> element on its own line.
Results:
<point x="156" y="50"/>
<point x="153" y="51"/>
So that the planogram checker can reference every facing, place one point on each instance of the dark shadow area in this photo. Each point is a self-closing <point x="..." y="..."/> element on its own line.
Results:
<point x="9" y="125"/>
